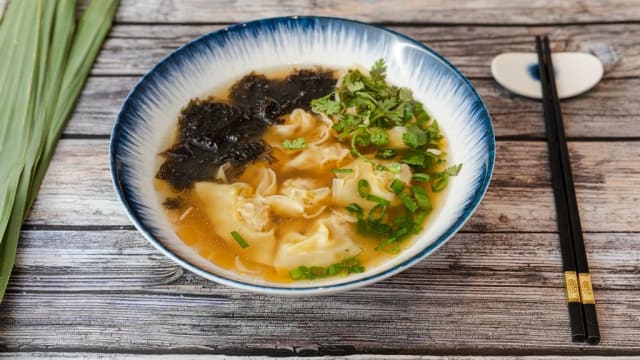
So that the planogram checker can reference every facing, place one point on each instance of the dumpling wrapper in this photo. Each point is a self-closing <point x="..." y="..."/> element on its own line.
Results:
<point x="234" y="207"/>
<point x="315" y="129"/>
<point x="345" y="186"/>
<point x="318" y="159"/>
<point x="325" y="243"/>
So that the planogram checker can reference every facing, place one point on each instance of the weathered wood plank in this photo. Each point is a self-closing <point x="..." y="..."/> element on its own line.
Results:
<point x="133" y="49"/>
<point x="389" y="317"/>
<point x="113" y="291"/>
<point x="103" y="356"/>
<point x="434" y="11"/>
<point x="107" y="261"/>
<point x="608" y="110"/>
<point x="519" y="198"/>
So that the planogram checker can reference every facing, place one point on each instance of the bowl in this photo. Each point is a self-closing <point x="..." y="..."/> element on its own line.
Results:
<point x="151" y="109"/>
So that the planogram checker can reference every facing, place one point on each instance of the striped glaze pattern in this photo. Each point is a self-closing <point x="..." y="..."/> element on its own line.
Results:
<point x="150" y="112"/>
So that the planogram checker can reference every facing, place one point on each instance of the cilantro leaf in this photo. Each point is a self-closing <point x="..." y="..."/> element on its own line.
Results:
<point x="378" y="70"/>
<point x="325" y="105"/>
<point x="355" y="86"/>
<point x="415" y="158"/>
<point x="378" y="137"/>
<point x="414" y="137"/>
<point x="453" y="170"/>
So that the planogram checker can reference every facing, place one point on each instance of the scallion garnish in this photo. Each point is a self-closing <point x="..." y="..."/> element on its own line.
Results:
<point x="341" y="171"/>
<point x="397" y="186"/>
<point x="421" y="177"/>
<point x="422" y="198"/>
<point x="439" y="182"/>
<point x="238" y="238"/>
<point x="347" y="266"/>
<point x="378" y="199"/>
<point x="408" y="202"/>
<point x="297" y="144"/>
<point x="363" y="188"/>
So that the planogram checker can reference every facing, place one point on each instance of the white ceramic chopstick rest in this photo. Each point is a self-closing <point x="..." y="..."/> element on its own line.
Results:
<point x="575" y="73"/>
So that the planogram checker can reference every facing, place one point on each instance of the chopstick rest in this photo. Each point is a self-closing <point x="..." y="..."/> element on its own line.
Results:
<point x="575" y="73"/>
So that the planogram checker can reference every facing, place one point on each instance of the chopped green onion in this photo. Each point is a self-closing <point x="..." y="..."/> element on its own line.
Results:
<point x="347" y="266"/>
<point x="421" y="177"/>
<point x="297" y="144"/>
<point x="341" y="171"/>
<point x="422" y="198"/>
<point x="385" y="243"/>
<point x="297" y="274"/>
<point x="397" y="186"/>
<point x="408" y="202"/>
<point x="243" y="244"/>
<point x="354" y="208"/>
<point x="377" y="212"/>
<point x="377" y="199"/>
<point x="440" y="182"/>
<point x="395" y="168"/>
<point x="363" y="188"/>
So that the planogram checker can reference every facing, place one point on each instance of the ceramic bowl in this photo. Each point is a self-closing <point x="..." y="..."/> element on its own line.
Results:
<point x="150" y="112"/>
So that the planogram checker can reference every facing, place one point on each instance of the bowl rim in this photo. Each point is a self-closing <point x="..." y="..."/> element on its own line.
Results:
<point x="306" y="290"/>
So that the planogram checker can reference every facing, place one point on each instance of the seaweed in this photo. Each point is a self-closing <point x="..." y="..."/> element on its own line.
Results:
<point x="213" y="132"/>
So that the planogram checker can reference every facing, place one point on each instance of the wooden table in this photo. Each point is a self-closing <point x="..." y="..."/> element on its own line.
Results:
<point x="86" y="284"/>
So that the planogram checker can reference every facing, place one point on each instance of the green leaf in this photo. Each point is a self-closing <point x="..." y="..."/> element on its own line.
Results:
<point x="40" y="80"/>
<point x="378" y="70"/>
<point x="415" y="158"/>
<point x="453" y="170"/>
<point x="326" y="105"/>
<point x="355" y="86"/>
<point x="378" y="136"/>
<point x="386" y="153"/>
<point x="414" y="137"/>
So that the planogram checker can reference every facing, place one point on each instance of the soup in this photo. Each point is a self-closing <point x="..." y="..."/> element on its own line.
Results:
<point x="305" y="175"/>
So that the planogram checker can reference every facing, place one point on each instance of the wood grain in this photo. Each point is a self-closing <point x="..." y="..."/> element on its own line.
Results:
<point x="122" y="260"/>
<point x="133" y="49"/>
<point x="396" y="316"/>
<point x="411" y="11"/>
<point x="112" y="291"/>
<point x="88" y="286"/>
<point x="609" y="110"/>
<point x="103" y="356"/>
<point x="519" y="198"/>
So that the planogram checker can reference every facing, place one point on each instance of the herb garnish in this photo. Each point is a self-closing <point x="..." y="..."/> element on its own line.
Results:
<point x="239" y="239"/>
<point x="347" y="266"/>
<point x="364" y="109"/>
<point x="342" y="171"/>
<point x="297" y="144"/>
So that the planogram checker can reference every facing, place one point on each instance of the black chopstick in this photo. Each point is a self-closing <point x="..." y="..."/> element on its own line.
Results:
<point x="581" y="302"/>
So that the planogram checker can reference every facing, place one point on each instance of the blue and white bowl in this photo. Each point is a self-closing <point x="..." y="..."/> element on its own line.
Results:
<point x="151" y="110"/>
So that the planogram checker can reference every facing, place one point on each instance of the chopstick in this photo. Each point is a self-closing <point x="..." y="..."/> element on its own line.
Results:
<point x="580" y="298"/>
